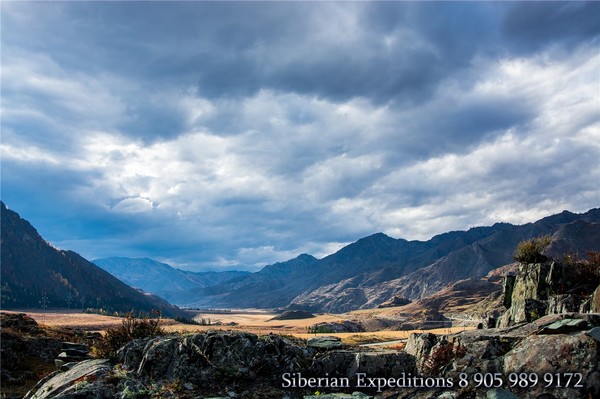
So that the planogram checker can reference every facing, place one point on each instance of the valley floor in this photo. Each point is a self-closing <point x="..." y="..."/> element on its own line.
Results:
<point x="256" y="321"/>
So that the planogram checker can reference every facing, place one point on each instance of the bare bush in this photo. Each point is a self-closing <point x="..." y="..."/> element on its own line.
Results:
<point x="131" y="328"/>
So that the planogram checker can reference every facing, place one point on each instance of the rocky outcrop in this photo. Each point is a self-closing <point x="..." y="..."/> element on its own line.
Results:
<point x="548" y="288"/>
<point x="28" y="350"/>
<point x="207" y="364"/>
<point x="72" y="352"/>
<point x="550" y="346"/>
<point x="215" y="358"/>
<point x="348" y="363"/>
<point x="419" y="345"/>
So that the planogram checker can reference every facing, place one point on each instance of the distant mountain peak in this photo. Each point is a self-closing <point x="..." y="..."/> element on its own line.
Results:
<point x="305" y="257"/>
<point x="373" y="239"/>
<point x="377" y="236"/>
<point x="563" y="217"/>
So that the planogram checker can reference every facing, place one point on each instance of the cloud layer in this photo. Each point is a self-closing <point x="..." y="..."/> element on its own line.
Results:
<point x="220" y="135"/>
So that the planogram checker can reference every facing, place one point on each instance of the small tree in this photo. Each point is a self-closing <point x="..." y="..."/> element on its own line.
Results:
<point x="532" y="250"/>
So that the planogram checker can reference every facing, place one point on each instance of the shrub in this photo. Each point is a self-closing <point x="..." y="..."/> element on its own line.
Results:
<point x="532" y="250"/>
<point x="131" y="328"/>
<point x="434" y="363"/>
<point x="593" y="257"/>
<point x="583" y="275"/>
<point x="189" y="320"/>
<point x="320" y="329"/>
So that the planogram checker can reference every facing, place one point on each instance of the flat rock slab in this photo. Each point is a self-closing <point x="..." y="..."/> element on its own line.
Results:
<point x="61" y="383"/>
<point x="327" y="342"/>
<point x="564" y="326"/>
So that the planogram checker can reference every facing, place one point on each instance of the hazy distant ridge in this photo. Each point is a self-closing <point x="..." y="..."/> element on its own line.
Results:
<point x="162" y="279"/>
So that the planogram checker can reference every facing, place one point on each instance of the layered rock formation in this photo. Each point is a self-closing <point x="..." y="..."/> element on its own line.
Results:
<point x="549" y="288"/>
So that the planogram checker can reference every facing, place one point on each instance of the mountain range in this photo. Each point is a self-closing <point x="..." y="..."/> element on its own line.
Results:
<point x="377" y="268"/>
<point x="34" y="274"/>
<point x="364" y="274"/>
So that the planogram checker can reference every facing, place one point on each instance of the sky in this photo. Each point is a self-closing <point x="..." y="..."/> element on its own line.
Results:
<point x="232" y="135"/>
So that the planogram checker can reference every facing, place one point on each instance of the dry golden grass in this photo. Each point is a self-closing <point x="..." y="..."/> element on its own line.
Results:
<point x="75" y="319"/>
<point x="255" y="322"/>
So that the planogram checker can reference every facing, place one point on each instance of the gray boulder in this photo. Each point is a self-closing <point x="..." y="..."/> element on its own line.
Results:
<point x="83" y="380"/>
<point x="419" y="345"/>
<point x="327" y="342"/>
<point x="215" y="358"/>
<point x="346" y="363"/>
<point x="564" y="326"/>
<point x="557" y="353"/>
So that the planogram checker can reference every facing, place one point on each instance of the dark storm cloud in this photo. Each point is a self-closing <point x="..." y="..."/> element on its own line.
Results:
<point x="236" y="49"/>
<point x="532" y="25"/>
<point x="152" y="119"/>
<point x="405" y="62"/>
<point x="459" y="128"/>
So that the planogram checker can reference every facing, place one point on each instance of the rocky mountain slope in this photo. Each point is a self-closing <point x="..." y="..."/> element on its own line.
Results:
<point x="162" y="279"/>
<point x="274" y="286"/>
<point x="377" y="268"/>
<point x="36" y="275"/>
